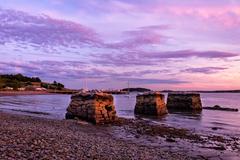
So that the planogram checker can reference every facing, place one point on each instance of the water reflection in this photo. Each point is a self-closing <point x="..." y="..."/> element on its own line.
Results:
<point x="155" y="118"/>
<point x="195" y="114"/>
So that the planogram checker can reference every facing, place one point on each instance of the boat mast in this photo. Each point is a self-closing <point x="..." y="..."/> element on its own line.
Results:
<point x="85" y="84"/>
<point x="128" y="87"/>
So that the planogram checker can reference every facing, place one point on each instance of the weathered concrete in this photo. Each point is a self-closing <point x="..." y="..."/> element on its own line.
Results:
<point x="93" y="107"/>
<point x="184" y="101"/>
<point x="150" y="103"/>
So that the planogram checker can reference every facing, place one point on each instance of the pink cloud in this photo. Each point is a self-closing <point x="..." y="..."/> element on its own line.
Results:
<point x="220" y="12"/>
<point x="228" y="16"/>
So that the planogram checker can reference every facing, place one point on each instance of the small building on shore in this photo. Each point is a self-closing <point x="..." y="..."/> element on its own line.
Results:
<point x="21" y="89"/>
<point x="40" y="89"/>
<point x="36" y="84"/>
<point x="8" y="89"/>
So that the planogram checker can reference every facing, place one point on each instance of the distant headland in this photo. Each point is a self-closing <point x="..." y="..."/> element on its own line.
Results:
<point x="136" y="90"/>
<point x="18" y="82"/>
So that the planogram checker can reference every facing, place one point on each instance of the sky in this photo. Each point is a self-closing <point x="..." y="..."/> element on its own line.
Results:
<point x="157" y="44"/>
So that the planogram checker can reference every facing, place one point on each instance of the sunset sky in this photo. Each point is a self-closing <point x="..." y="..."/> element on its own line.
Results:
<point x="158" y="44"/>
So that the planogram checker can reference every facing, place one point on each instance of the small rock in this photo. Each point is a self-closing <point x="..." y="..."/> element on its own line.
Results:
<point x="170" y="140"/>
<point x="214" y="128"/>
<point x="137" y="136"/>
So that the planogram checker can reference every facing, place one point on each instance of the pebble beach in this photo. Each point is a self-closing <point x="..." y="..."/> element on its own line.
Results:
<point x="27" y="137"/>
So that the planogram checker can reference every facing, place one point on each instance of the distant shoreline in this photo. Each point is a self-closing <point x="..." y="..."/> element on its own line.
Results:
<point x="16" y="93"/>
<point x="219" y="91"/>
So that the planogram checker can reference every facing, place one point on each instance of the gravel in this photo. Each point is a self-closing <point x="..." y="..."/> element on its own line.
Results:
<point x="25" y="137"/>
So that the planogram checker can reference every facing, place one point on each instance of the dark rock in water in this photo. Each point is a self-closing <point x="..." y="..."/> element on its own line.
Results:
<point x="69" y="115"/>
<point x="170" y="140"/>
<point x="93" y="107"/>
<point x="31" y="112"/>
<point x="137" y="136"/>
<point x="214" y="128"/>
<point x="150" y="103"/>
<point x="184" y="101"/>
<point x="219" y="108"/>
<point x="221" y="148"/>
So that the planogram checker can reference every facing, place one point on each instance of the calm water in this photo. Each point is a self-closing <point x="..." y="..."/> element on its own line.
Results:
<point x="55" y="106"/>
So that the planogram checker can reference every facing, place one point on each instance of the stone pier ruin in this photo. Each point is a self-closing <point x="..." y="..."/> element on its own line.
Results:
<point x="184" y="101"/>
<point x="150" y="103"/>
<point x="93" y="107"/>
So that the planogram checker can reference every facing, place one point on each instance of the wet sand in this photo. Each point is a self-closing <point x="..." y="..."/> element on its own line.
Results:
<point x="26" y="137"/>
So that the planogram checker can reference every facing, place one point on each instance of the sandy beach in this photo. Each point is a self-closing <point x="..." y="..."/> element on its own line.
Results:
<point x="26" y="137"/>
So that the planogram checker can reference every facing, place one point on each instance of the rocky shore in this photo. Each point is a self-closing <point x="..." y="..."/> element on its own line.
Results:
<point x="25" y="137"/>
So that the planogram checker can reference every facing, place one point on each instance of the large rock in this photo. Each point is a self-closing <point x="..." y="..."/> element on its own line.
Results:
<point x="150" y="103"/>
<point x="92" y="107"/>
<point x="184" y="101"/>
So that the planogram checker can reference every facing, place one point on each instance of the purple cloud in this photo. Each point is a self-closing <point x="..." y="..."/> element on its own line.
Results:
<point x="166" y="40"/>
<point x="67" y="70"/>
<point x="45" y="69"/>
<point x="44" y="31"/>
<point x="143" y="36"/>
<point x="48" y="63"/>
<point x="204" y="70"/>
<point x="190" y="53"/>
<point x="62" y="71"/>
<point x="142" y="58"/>
<point x="127" y="59"/>
<point x="156" y="27"/>
<point x="141" y="81"/>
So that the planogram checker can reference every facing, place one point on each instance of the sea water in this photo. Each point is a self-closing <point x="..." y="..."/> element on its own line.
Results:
<point x="208" y="121"/>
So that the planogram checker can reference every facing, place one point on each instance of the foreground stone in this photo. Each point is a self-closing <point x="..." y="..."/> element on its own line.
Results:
<point x="184" y="101"/>
<point x="92" y="107"/>
<point x="150" y="103"/>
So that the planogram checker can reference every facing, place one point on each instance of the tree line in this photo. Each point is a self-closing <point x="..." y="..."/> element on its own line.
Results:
<point x="18" y="80"/>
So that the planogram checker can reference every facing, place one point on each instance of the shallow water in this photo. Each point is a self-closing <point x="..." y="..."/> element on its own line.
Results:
<point x="55" y="106"/>
<point x="226" y="122"/>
